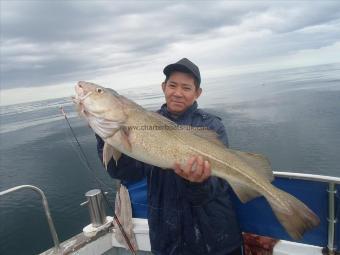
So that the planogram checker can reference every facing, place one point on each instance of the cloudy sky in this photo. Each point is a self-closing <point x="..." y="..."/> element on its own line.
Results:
<point x="46" y="46"/>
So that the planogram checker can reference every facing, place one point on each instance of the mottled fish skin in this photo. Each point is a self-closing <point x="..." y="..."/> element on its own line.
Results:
<point x="132" y="130"/>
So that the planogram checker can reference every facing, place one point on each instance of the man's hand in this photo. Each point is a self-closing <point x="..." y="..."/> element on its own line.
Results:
<point x="196" y="169"/>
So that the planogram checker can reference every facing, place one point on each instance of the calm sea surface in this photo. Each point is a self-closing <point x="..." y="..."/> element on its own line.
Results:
<point x="292" y="116"/>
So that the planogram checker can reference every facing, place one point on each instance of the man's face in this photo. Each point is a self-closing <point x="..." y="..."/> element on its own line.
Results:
<point x="180" y="92"/>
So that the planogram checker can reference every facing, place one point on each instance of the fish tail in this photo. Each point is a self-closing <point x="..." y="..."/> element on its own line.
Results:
<point x="294" y="215"/>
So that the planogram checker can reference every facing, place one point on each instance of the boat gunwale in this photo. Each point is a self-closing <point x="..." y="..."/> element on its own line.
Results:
<point x="309" y="177"/>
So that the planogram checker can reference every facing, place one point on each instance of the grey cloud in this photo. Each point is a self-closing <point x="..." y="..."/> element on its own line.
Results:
<point x="42" y="74"/>
<point x="46" y="42"/>
<point x="77" y="20"/>
<point x="49" y="21"/>
<point x="304" y="14"/>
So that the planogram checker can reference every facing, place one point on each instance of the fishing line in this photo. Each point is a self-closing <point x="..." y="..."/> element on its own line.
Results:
<point x="127" y="240"/>
<point x="82" y="156"/>
<point x="83" y="160"/>
<point x="70" y="141"/>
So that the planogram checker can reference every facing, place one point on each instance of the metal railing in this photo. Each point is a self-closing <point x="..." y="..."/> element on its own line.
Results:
<point x="46" y="209"/>
<point x="332" y="192"/>
<point x="332" y="220"/>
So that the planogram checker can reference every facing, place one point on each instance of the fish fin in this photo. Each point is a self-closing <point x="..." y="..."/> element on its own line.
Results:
<point x="110" y="152"/>
<point x="243" y="192"/>
<point x="124" y="132"/>
<point x="204" y="133"/>
<point x="294" y="215"/>
<point x="116" y="155"/>
<point x="107" y="154"/>
<point x="123" y="211"/>
<point x="258" y="162"/>
<point x="163" y="120"/>
<point x="128" y="102"/>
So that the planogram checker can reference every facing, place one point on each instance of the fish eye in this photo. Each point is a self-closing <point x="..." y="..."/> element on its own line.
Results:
<point x="99" y="90"/>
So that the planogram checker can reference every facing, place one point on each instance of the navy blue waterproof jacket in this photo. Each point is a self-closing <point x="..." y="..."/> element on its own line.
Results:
<point x="185" y="218"/>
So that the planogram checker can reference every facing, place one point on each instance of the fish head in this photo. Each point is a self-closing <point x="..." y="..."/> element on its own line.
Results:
<point x="101" y="107"/>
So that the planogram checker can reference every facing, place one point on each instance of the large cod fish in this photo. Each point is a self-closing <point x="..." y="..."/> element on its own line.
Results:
<point x="146" y="136"/>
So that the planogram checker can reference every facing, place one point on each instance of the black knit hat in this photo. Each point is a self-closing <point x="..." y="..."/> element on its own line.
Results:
<point x="186" y="66"/>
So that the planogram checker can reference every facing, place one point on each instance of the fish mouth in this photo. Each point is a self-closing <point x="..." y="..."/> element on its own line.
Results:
<point x="75" y="99"/>
<point x="79" y="98"/>
<point x="81" y="93"/>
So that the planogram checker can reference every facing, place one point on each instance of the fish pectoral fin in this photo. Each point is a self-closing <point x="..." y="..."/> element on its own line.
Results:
<point x="258" y="162"/>
<point x="243" y="192"/>
<point x="110" y="152"/>
<point x="116" y="155"/>
<point x="124" y="132"/>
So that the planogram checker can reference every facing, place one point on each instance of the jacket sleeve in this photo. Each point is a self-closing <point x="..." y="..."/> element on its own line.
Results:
<point x="200" y="193"/>
<point x="127" y="168"/>
<point x="219" y="128"/>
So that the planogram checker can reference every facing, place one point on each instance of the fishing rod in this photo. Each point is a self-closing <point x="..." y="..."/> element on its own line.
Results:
<point x="126" y="238"/>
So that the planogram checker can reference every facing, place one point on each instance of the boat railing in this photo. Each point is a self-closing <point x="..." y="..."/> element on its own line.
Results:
<point x="53" y="232"/>
<point x="332" y="193"/>
<point x="310" y="177"/>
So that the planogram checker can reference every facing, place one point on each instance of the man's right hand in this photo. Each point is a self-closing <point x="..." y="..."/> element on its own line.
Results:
<point x="196" y="169"/>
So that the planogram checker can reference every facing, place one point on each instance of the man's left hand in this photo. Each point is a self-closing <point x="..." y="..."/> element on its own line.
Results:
<point x="196" y="169"/>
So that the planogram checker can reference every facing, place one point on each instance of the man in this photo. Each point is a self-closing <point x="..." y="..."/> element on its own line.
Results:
<point x="189" y="211"/>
